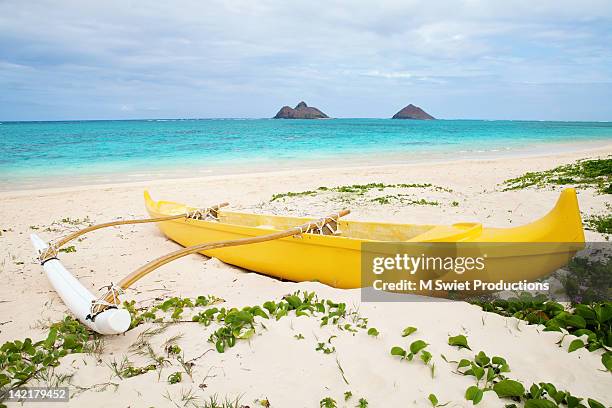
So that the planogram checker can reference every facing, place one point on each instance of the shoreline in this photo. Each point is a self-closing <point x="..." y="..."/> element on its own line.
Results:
<point x="248" y="170"/>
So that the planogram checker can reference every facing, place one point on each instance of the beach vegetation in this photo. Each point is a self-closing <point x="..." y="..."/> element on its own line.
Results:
<point x="408" y="331"/>
<point x="459" y="341"/>
<point x="263" y="402"/>
<point x="240" y="324"/>
<point x="328" y="402"/>
<point x="325" y="349"/>
<point x="131" y="371"/>
<point x="416" y="348"/>
<point x="175" y="306"/>
<point x="373" y="332"/>
<point x="187" y="366"/>
<point x="588" y="280"/>
<point x="362" y="403"/>
<point x="68" y="249"/>
<point x="341" y="371"/>
<point x="592" y="320"/>
<point x="73" y="221"/>
<point x="348" y="395"/>
<point x="600" y="223"/>
<point x="359" y="189"/>
<point x="595" y="173"/>
<point x="214" y="402"/>
<point x="175" y="377"/>
<point x="23" y="360"/>
<point x="401" y="198"/>
<point x="490" y="374"/>
<point x="173" y="349"/>
<point x="435" y="403"/>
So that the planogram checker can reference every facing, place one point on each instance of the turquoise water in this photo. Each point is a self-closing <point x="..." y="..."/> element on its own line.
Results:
<point x="34" y="151"/>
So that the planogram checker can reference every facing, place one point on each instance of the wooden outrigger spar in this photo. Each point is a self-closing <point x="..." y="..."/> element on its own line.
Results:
<point x="197" y="214"/>
<point x="102" y="314"/>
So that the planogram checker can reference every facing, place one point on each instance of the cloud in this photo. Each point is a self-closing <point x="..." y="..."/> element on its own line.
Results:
<point x="74" y="59"/>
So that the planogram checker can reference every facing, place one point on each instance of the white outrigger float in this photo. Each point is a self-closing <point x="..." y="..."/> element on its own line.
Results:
<point x="78" y="299"/>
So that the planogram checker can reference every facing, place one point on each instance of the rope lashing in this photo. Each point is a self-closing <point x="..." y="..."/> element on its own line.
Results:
<point x="208" y="214"/>
<point x="101" y="304"/>
<point x="318" y="227"/>
<point x="50" y="252"/>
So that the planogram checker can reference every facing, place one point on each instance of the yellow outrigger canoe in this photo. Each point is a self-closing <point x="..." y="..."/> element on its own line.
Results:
<point x="526" y="252"/>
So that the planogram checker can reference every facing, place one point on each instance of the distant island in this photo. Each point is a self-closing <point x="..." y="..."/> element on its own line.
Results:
<point x="301" y="111"/>
<point x="412" y="112"/>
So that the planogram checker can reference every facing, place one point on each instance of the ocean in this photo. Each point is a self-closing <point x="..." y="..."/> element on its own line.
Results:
<point x="49" y="153"/>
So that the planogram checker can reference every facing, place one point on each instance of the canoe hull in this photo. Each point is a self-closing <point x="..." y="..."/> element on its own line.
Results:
<point x="336" y="260"/>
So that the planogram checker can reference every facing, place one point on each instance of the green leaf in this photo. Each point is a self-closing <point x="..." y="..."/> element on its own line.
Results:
<point x="459" y="341"/>
<point x="373" y="332"/>
<point x="398" y="351"/>
<point x="559" y="397"/>
<point x="481" y="359"/>
<point x="490" y="373"/>
<point x="464" y="363"/>
<point x="294" y="301"/>
<point x="575" y="321"/>
<point x="426" y="356"/>
<point x="573" y="402"/>
<point x="595" y="404"/>
<point x="575" y="345"/>
<point x="270" y="306"/>
<point x="258" y="312"/>
<point x="4" y="379"/>
<point x="474" y="394"/>
<point x="408" y="331"/>
<point x="51" y="337"/>
<point x="471" y="392"/>
<point x="535" y="391"/>
<point x="478" y="397"/>
<point x="606" y="360"/>
<point x="540" y="403"/>
<point x="478" y="371"/>
<point x="70" y="342"/>
<point x="549" y="388"/>
<point x="417" y="346"/>
<point x="175" y="378"/>
<point x="433" y="399"/>
<point x="509" y="388"/>
<point x="584" y="311"/>
<point x="247" y="334"/>
<point x="606" y="313"/>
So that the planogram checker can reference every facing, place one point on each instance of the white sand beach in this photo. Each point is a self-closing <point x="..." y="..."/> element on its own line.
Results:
<point x="274" y="365"/>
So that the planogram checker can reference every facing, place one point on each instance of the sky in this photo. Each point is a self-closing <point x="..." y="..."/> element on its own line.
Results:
<point x="468" y="59"/>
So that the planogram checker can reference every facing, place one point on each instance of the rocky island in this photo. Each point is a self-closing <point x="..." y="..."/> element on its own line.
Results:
<point x="301" y="111"/>
<point x="412" y="112"/>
